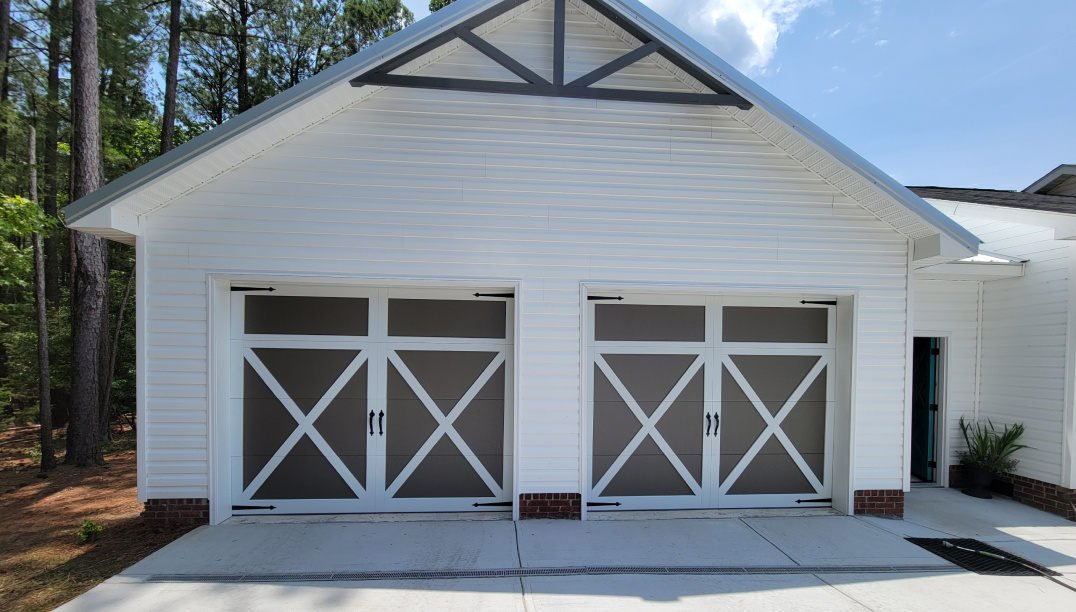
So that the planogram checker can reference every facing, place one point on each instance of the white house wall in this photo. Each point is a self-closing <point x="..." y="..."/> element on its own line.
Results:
<point x="950" y="309"/>
<point x="551" y="193"/>
<point x="1024" y="335"/>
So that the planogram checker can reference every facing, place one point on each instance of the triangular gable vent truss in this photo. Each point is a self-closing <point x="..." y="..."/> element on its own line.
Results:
<point x="531" y="83"/>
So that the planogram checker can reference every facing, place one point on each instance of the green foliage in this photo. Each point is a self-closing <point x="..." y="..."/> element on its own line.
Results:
<point x="89" y="532"/>
<point x="19" y="218"/>
<point x="436" y="5"/>
<point x="989" y="449"/>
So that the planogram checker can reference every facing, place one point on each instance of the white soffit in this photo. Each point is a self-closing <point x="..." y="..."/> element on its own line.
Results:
<point x="1064" y="225"/>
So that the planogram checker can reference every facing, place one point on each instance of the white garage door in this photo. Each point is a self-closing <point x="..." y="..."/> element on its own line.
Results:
<point x="370" y="400"/>
<point x="707" y="402"/>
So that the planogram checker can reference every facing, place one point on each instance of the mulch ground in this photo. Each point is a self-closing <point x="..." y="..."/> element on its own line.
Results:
<point x="43" y="563"/>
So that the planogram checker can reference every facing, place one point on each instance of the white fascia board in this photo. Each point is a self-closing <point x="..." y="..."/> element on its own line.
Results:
<point x="938" y="248"/>
<point x="1064" y="225"/>
<point x="111" y="222"/>
<point x="970" y="271"/>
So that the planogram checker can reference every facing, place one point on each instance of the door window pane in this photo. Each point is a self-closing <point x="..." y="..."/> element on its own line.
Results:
<point x="769" y="324"/>
<point x="447" y="318"/>
<point x="306" y="315"/>
<point x="649" y="323"/>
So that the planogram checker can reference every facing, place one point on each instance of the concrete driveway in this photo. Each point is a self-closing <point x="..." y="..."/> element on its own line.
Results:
<point x="822" y="562"/>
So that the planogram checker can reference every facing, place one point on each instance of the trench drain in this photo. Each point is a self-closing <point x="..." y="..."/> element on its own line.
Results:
<point x="526" y="572"/>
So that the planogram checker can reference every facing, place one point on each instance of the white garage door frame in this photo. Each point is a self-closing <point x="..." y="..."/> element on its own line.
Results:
<point x="224" y="433"/>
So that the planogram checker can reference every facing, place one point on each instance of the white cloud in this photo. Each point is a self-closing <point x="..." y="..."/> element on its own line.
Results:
<point x="742" y="32"/>
<point x="881" y="43"/>
<point x="831" y="89"/>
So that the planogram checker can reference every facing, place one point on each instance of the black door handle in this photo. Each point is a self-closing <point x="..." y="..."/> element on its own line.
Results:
<point x="371" y="422"/>
<point x="707" y="423"/>
<point x="381" y="422"/>
<point x="717" y="422"/>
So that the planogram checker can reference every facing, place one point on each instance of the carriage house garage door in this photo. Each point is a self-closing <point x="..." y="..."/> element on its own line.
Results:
<point x="710" y="402"/>
<point x="370" y="400"/>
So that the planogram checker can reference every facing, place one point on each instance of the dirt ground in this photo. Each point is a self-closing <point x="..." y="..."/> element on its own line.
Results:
<point x="43" y="563"/>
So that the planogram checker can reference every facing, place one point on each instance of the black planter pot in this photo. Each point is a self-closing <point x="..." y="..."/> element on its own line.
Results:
<point x="979" y="480"/>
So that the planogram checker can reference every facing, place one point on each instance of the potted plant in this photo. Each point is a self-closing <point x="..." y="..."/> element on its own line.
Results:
<point x="989" y="453"/>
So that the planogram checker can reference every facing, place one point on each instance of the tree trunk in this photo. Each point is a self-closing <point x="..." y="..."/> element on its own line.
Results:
<point x="91" y="281"/>
<point x="48" y="453"/>
<point x="242" y="48"/>
<point x="52" y="156"/>
<point x="111" y="372"/>
<point x="5" y="54"/>
<point x="104" y="411"/>
<point x="44" y="398"/>
<point x="171" y="81"/>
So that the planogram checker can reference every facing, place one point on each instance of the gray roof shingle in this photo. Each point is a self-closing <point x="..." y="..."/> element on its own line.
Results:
<point x="1008" y="199"/>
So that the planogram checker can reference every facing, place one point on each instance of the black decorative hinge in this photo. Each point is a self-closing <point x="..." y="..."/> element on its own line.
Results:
<point x="820" y="302"/>
<point x="507" y="503"/>
<point x="253" y="289"/>
<point x="499" y="295"/>
<point x="932" y="464"/>
<point x="589" y="504"/>
<point x="935" y="351"/>
<point x="815" y="501"/>
<point x="595" y="298"/>
<point x="933" y="407"/>
<point x="253" y="507"/>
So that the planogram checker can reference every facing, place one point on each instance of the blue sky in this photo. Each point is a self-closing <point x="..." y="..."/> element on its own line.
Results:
<point x="956" y="93"/>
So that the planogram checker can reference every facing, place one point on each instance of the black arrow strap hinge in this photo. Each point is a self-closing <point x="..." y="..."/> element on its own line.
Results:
<point x="592" y="504"/>
<point x="595" y="298"/>
<point x="820" y="302"/>
<point x="253" y="507"/>
<point x="496" y="295"/>
<point x="507" y="503"/>
<point x="827" y="500"/>
<point x="270" y="289"/>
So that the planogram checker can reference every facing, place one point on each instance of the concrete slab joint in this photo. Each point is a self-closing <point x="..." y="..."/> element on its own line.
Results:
<point x="550" y="506"/>
<point x="887" y="502"/>
<point x="176" y="511"/>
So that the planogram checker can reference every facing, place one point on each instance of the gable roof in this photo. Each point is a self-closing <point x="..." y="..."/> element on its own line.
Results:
<point x="160" y="181"/>
<point x="1008" y="199"/>
<point x="1065" y="173"/>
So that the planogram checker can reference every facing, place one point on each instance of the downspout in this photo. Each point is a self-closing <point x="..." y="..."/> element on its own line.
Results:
<point x="978" y="347"/>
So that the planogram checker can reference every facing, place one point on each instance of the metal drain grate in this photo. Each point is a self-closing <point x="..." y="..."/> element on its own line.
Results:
<point x="981" y="564"/>
<point x="524" y="572"/>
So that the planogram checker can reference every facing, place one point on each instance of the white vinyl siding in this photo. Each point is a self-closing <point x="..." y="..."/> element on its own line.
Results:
<point x="551" y="193"/>
<point x="950" y="309"/>
<point x="1024" y="342"/>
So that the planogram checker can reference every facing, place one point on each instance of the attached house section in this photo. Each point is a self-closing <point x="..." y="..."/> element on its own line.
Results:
<point x="1006" y="334"/>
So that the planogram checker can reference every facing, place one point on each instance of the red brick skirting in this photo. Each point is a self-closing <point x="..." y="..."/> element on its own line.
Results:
<point x="550" y="505"/>
<point x="888" y="502"/>
<point x="176" y="512"/>
<point x="1042" y="495"/>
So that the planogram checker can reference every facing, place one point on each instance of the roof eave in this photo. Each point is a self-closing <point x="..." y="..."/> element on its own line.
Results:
<point x="1051" y="176"/>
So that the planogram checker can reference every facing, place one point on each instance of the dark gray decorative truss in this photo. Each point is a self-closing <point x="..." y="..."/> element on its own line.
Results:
<point x="534" y="84"/>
